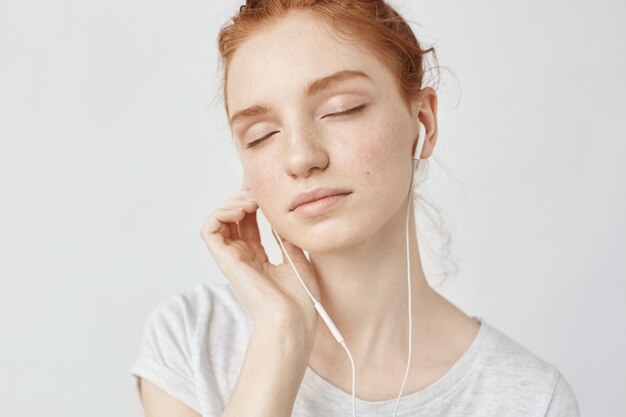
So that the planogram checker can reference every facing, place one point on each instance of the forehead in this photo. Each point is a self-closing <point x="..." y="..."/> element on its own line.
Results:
<point x="278" y="62"/>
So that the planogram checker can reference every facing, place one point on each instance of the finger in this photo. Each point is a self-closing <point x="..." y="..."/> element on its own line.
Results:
<point x="237" y="202"/>
<point x="234" y="229"/>
<point x="222" y="217"/>
<point x="248" y="227"/>
<point x="244" y="194"/>
<point x="239" y="206"/>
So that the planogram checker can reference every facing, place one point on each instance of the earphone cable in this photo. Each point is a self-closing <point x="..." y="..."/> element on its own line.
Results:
<point x="408" y="260"/>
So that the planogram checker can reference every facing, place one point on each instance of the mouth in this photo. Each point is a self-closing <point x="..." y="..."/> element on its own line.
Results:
<point x="316" y="194"/>
<point x="320" y="206"/>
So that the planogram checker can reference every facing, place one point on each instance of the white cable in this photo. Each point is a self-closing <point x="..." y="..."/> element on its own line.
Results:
<point x="408" y="261"/>
<point x="416" y="159"/>
<point x="318" y="306"/>
<point x="322" y="312"/>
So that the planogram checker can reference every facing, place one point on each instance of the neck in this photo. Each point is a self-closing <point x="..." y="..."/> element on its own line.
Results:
<point x="365" y="292"/>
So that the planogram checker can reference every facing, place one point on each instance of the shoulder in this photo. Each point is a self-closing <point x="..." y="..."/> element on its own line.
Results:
<point x="514" y="372"/>
<point x="511" y="358"/>
<point x="193" y="344"/>
<point x="213" y="306"/>
<point x="563" y="402"/>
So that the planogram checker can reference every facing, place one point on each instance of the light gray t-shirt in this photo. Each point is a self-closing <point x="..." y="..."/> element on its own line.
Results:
<point x="194" y="343"/>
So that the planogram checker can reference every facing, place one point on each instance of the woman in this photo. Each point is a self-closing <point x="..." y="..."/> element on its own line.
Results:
<point x="327" y="96"/>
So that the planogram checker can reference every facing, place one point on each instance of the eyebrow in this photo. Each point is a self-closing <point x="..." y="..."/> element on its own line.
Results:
<point x="310" y="90"/>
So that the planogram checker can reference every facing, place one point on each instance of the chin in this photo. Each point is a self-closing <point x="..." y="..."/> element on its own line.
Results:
<point x="330" y="236"/>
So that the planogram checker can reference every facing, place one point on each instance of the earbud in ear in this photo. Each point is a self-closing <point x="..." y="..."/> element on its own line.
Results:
<point x="420" y="142"/>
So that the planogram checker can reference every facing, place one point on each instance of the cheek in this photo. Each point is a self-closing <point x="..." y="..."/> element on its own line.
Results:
<point x="380" y="155"/>
<point x="262" y="184"/>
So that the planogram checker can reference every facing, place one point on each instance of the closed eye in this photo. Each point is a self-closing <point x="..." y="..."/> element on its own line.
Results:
<point x="350" y="111"/>
<point x="343" y="113"/>
<point x="254" y="142"/>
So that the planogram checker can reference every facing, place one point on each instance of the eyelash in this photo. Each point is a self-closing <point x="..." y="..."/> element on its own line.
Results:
<point x="343" y="113"/>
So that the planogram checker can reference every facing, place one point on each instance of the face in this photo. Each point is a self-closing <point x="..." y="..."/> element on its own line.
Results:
<point x="307" y="142"/>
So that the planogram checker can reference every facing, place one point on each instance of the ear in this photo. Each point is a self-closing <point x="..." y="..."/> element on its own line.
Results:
<point x="425" y="112"/>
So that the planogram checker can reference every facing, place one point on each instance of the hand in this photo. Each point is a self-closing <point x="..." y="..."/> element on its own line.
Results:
<point x="272" y="293"/>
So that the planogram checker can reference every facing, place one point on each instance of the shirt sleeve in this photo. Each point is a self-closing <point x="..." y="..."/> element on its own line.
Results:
<point x="563" y="402"/>
<point x="165" y="354"/>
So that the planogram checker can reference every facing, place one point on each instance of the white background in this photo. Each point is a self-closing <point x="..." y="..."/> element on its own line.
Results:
<point x="114" y="147"/>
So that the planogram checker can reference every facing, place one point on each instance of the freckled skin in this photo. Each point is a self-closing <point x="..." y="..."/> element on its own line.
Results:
<point x="368" y="152"/>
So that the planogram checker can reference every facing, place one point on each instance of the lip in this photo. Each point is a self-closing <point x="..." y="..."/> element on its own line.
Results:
<point x="316" y="194"/>
<point x="320" y="206"/>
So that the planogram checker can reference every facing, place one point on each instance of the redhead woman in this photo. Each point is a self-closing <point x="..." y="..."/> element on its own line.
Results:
<point x="332" y="123"/>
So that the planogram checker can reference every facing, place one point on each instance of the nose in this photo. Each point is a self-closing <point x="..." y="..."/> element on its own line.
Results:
<point x="306" y="151"/>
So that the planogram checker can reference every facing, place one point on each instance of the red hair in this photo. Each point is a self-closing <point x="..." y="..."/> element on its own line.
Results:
<point x="373" y="23"/>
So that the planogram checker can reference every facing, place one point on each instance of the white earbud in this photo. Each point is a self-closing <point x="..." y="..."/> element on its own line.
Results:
<point x="420" y="142"/>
